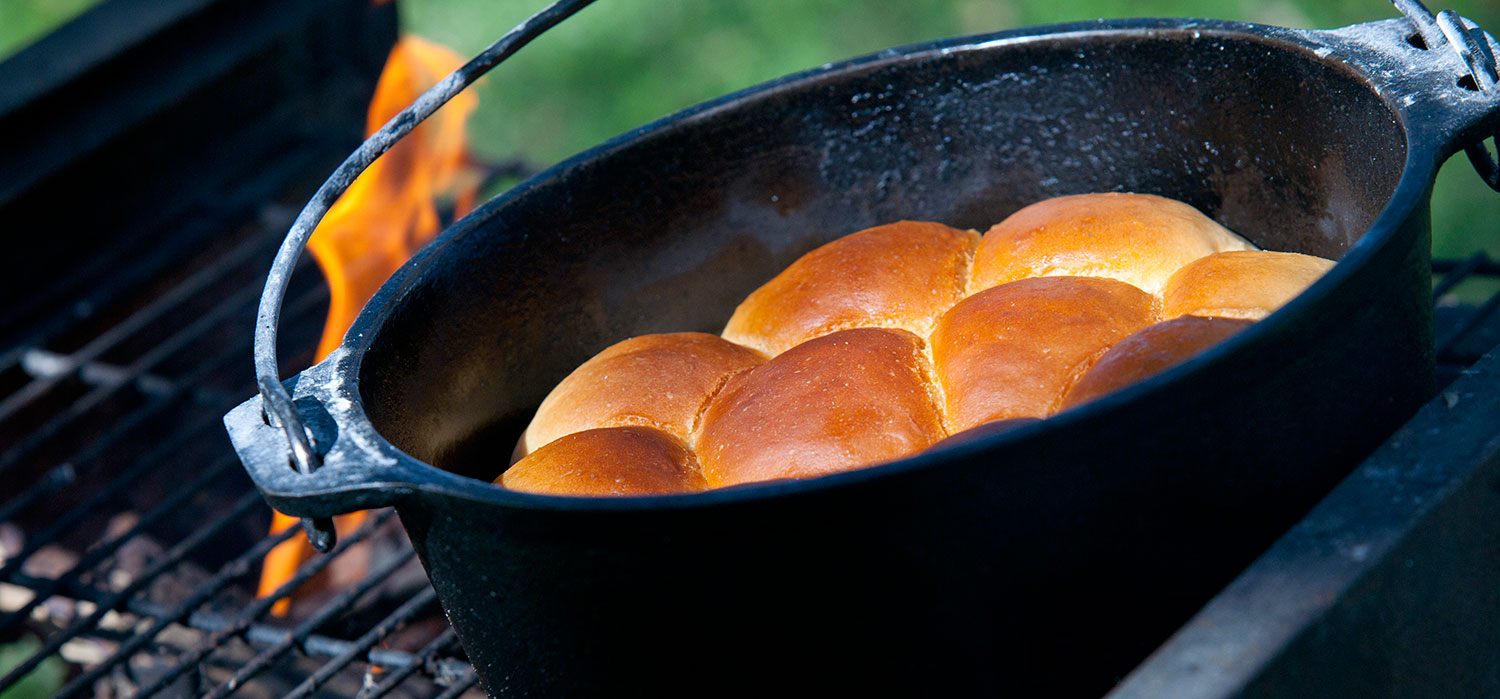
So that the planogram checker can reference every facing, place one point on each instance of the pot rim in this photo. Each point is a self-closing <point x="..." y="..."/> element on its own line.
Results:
<point x="1358" y="51"/>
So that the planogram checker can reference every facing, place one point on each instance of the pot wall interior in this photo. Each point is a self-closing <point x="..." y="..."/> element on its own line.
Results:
<point x="669" y="230"/>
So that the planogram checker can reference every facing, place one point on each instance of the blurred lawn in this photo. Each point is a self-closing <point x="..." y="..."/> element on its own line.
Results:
<point x="23" y="21"/>
<point x="622" y="63"/>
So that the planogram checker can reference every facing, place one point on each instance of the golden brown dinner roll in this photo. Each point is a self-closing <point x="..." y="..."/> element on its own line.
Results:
<point x="610" y="461"/>
<point x="1150" y="352"/>
<point x="1140" y="239"/>
<point x="1011" y="351"/>
<point x="900" y="275"/>
<point x="660" y="381"/>
<point x="866" y="349"/>
<point x="1248" y="284"/>
<point x="834" y="403"/>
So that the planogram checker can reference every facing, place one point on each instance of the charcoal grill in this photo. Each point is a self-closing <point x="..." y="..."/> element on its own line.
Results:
<point x="111" y="395"/>
<point x="131" y="537"/>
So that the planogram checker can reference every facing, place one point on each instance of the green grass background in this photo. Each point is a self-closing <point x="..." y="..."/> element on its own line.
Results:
<point x="24" y="21"/>
<point x="622" y="63"/>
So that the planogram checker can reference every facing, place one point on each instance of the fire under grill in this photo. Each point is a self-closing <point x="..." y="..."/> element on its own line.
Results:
<point x="154" y="173"/>
<point x="130" y="537"/>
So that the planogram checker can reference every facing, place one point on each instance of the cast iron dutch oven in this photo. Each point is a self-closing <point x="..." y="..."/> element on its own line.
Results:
<point x="1054" y="556"/>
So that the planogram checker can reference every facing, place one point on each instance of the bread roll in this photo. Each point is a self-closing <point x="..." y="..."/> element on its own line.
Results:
<point x="901" y="275"/>
<point x="1012" y="350"/>
<point x="610" y="461"/>
<point x="1150" y="352"/>
<point x="1139" y="239"/>
<point x="866" y="349"/>
<point x="1248" y="285"/>
<point x="661" y="381"/>
<point x="834" y="403"/>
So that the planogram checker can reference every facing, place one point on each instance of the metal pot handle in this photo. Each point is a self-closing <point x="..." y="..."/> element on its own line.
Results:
<point x="276" y="400"/>
<point x="358" y="471"/>
<point x="1447" y="28"/>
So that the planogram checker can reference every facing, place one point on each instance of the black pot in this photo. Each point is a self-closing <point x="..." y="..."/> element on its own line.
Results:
<point x="1053" y="556"/>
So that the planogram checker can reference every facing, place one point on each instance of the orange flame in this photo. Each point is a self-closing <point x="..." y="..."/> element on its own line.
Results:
<point x="384" y="216"/>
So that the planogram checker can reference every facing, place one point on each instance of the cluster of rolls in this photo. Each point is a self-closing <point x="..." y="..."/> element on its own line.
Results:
<point x="889" y="341"/>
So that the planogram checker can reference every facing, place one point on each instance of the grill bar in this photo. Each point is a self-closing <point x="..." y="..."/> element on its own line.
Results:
<point x="45" y="364"/>
<point x="138" y="369"/>
<point x="173" y="557"/>
<point x="460" y="685"/>
<point x="418" y="602"/>
<point x="1453" y="273"/>
<point x="422" y="658"/>
<point x="56" y="479"/>
<point x="101" y="277"/>
<point x="324" y="646"/>
<point x="1474" y="320"/>
<point x="159" y="403"/>
<point x="234" y="569"/>
<point x="91" y="454"/>
<point x="124" y="479"/>
<point x="151" y="312"/>
<point x="99" y="553"/>
<point x="262" y="635"/>
<point x="264" y="659"/>
<point x="1485" y="267"/>
<point x="258" y="634"/>
<point x="242" y="624"/>
<point x="80" y="407"/>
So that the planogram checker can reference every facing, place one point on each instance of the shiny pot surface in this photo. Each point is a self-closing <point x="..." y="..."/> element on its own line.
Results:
<point x="1052" y="557"/>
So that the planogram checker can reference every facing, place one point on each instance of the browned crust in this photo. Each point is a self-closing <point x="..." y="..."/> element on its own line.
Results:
<point x="1249" y="285"/>
<point x="1010" y="351"/>
<point x="660" y="381"/>
<point x="834" y="403"/>
<point x="900" y="275"/>
<point x="1150" y="352"/>
<point x="609" y="461"/>
<point x="1064" y="299"/>
<point x="1140" y="239"/>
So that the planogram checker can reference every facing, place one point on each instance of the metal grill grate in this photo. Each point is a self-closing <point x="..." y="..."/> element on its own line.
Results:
<point x="131" y="537"/>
